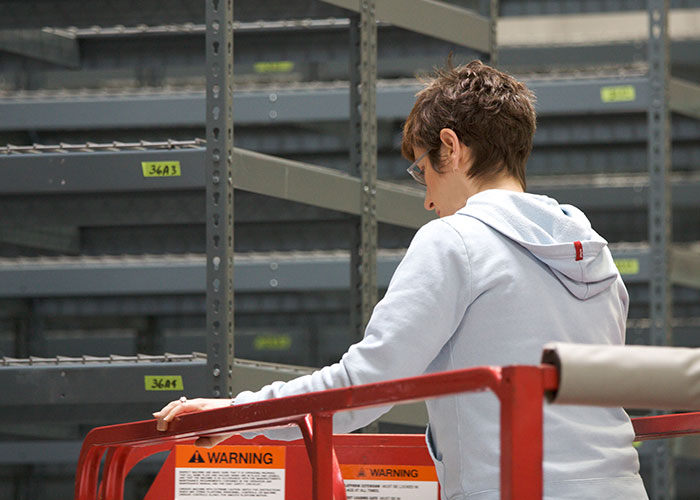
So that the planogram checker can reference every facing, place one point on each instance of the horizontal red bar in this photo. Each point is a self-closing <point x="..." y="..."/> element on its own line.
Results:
<point x="287" y="410"/>
<point x="665" y="426"/>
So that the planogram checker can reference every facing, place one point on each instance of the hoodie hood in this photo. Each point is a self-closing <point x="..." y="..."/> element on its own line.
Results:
<point x="560" y="236"/>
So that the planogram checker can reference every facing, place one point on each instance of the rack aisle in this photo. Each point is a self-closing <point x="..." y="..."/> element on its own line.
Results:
<point x="95" y="253"/>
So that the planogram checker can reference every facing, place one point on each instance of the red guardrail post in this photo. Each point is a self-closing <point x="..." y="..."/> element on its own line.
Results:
<point x="87" y="473"/>
<point x="521" y="393"/>
<point x="322" y="456"/>
<point x="307" y="430"/>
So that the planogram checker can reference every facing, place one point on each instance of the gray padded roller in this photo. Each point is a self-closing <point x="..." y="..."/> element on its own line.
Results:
<point x="629" y="376"/>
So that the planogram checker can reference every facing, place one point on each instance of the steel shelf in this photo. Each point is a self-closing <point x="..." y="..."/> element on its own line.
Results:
<point x="24" y="171"/>
<point x="94" y="390"/>
<point x="96" y="172"/>
<point x="563" y="30"/>
<point x="308" y="103"/>
<point x="278" y="272"/>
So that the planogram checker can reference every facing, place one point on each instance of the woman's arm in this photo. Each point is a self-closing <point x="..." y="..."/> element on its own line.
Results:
<point x="426" y="299"/>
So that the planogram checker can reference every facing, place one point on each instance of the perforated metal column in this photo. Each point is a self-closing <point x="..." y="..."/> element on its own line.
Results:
<point x="659" y="158"/>
<point x="219" y="192"/>
<point x="364" y="150"/>
<point x="356" y="320"/>
<point x="493" y="25"/>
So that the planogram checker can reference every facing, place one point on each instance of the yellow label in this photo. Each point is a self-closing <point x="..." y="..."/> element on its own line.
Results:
<point x="161" y="168"/>
<point x="273" y="67"/>
<point x="627" y="266"/>
<point x="164" y="383"/>
<point x="618" y="93"/>
<point x="272" y="343"/>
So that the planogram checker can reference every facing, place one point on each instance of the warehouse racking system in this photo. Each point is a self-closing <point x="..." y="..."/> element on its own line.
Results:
<point x="99" y="259"/>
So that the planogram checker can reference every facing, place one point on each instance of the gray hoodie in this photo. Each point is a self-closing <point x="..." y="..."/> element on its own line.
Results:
<point x="491" y="285"/>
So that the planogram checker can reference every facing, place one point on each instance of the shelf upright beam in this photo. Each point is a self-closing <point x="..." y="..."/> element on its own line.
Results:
<point x="219" y="196"/>
<point x="363" y="122"/>
<point x="659" y="213"/>
<point x="493" y="25"/>
<point x="356" y="320"/>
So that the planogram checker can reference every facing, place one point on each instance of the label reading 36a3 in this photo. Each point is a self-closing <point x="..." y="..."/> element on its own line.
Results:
<point x="161" y="168"/>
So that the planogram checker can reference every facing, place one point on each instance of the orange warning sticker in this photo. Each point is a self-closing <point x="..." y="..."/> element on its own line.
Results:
<point x="389" y="472"/>
<point x="237" y="457"/>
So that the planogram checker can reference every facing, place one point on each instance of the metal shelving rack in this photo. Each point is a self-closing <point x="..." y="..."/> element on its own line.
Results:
<point x="254" y="172"/>
<point x="90" y="169"/>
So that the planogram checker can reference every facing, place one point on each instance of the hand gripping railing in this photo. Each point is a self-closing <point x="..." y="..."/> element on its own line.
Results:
<point x="520" y="390"/>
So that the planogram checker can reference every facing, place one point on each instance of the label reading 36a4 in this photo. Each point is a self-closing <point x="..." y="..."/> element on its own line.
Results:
<point x="163" y="383"/>
<point x="161" y="168"/>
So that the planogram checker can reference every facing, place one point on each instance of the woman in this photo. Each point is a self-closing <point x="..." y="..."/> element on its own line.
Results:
<point x="499" y="274"/>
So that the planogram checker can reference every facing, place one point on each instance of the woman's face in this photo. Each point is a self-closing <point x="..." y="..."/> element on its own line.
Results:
<point x="446" y="191"/>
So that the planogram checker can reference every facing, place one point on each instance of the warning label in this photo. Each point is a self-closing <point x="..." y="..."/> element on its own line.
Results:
<point x="390" y="482"/>
<point x="229" y="472"/>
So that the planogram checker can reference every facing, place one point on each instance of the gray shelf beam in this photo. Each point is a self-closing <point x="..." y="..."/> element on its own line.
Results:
<point x="433" y="18"/>
<point x="621" y="192"/>
<point x="128" y="277"/>
<point x="685" y="267"/>
<point x="53" y="173"/>
<point x="255" y="172"/>
<point x="684" y="97"/>
<point x="70" y="173"/>
<point x="39" y="452"/>
<point x="181" y="109"/>
<point x="566" y="30"/>
<point x="275" y="273"/>
<point x="327" y="188"/>
<point x="92" y="392"/>
<point x="178" y="275"/>
<point x="289" y="105"/>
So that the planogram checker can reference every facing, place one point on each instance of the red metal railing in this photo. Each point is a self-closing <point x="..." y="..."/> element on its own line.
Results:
<point x="520" y="390"/>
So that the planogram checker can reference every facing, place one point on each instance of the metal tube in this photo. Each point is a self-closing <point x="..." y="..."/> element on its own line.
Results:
<point x="521" y="393"/>
<point x="322" y="456"/>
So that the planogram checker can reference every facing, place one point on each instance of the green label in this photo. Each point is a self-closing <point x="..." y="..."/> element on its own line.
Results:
<point x="164" y="383"/>
<point x="627" y="266"/>
<point x="618" y="93"/>
<point x="272" y="343"/>
<point x="161" y="168"/>
<point x="273" y="67"/>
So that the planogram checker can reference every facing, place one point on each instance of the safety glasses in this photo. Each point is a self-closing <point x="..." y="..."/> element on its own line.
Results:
<point x="416" y="172"/>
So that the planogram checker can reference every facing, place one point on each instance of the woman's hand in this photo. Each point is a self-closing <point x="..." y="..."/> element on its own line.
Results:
<point x="183" y="406"/>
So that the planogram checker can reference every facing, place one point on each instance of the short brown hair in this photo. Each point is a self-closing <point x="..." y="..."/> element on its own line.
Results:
<point x="491" y="112"/>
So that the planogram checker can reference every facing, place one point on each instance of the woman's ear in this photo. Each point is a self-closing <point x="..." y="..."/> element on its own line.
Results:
<point x="454" y="149"/>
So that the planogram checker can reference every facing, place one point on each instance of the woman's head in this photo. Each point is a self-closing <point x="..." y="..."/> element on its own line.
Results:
<point x="489" y="112"/>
